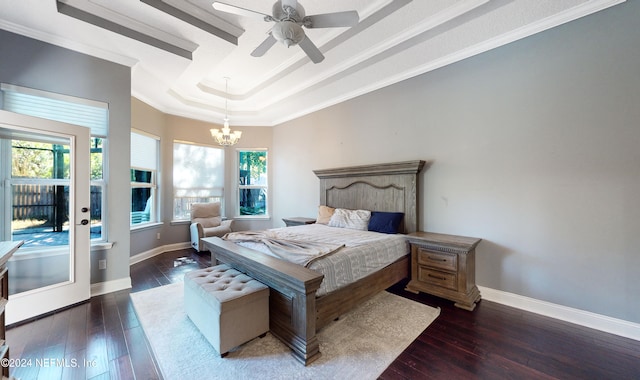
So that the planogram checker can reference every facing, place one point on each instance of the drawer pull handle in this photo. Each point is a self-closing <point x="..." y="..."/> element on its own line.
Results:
<point x="437" y="277"/>
<point x="432" y="258"/>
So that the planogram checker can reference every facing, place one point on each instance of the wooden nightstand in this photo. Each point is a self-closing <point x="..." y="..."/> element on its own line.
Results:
<point x="445" y="266"/>
<point x="297" y="221"/>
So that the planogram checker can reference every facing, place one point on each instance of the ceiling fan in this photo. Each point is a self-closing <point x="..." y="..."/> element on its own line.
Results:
<point x="289" y="18"/>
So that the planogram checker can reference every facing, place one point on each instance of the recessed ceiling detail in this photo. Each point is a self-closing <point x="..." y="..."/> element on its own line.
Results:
<point x="103" y="18"/>
<point x="192" y="20"/>
<point x="394" y="40"/>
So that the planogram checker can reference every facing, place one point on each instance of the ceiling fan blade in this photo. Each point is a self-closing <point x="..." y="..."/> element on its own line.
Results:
<point x="238" y="11"/>
<point x="312" y="51"/>
<point x="264" y="46"/>
<point x="332" y="20"/>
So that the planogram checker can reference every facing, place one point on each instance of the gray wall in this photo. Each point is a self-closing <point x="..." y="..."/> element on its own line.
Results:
<point x="534" y="148"/>
<point x="31" y="63"/>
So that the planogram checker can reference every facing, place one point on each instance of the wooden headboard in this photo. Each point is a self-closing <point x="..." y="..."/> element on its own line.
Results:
<point x="391" y="187"/>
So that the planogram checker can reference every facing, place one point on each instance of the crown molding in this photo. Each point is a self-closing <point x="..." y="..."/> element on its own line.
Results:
<point x="66" y="43"/>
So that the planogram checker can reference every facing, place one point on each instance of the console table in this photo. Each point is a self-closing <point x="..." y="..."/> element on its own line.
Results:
<point x="444" y="265"/>
<point x="7" y="249"/>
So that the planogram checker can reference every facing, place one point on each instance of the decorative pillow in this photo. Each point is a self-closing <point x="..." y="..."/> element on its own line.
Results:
<point x="324" y="214"/>
<point x="385" y="222"/>
<point x="354" y="219"/>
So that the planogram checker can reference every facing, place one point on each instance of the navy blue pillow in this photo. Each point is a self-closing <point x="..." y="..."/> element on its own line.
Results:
<point x="385" y="222"/>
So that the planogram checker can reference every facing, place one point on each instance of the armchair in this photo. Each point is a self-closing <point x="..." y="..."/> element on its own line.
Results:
<point x="205" y="222"/>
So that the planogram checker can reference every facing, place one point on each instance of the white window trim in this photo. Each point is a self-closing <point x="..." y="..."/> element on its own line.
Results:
<point x="154" y="217"/>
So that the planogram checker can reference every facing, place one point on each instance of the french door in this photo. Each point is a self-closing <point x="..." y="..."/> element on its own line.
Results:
<point x="46" y="192"/>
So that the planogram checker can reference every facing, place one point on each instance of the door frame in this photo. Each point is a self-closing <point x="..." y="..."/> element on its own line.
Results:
<point x="39" y="301"/>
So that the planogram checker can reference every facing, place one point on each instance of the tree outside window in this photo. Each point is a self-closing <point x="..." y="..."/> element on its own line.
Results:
<point x="252" y="183"/>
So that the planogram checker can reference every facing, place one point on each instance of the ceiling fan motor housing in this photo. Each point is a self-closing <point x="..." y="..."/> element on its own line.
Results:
<point x="280" y="14"/>
<point x="288" y="32"/>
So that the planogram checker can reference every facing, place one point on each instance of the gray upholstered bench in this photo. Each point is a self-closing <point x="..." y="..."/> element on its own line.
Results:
<point x="228" y="307"/>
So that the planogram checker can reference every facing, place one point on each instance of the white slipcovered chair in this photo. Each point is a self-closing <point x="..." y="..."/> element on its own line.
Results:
<point x="206" y="221"/>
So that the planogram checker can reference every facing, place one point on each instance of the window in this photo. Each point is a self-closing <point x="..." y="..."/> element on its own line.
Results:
<point x="198" y="177"/>
<point x="144" y="173"/>
<point x="98" y="186"/>
<point x="252" y="183"/>
<point x="68" y="109"/>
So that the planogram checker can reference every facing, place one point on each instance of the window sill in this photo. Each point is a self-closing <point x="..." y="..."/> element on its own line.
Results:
<point x="252" y="217"/>
<point x="146" y="226"/>
<point x="179" y="222"/>
<point x="102" y="246"/>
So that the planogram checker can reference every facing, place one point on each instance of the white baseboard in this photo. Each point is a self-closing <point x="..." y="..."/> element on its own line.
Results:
<point x="580" y="317"/>
<point x="125" y="283"/>
<point x="157" y="251"/>
<point x="110" y="286"/>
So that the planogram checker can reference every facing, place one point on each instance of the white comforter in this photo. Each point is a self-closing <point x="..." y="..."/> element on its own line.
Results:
<point x="364" y="252"/>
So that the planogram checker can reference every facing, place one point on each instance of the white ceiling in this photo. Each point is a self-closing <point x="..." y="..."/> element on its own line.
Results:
<point x="395" y="40"/>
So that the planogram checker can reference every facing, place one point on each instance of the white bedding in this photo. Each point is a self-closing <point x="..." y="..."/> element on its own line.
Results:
<point x="364" y="253"/>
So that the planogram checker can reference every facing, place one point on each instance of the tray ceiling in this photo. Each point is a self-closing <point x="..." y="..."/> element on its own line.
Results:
<point x="180" y="51"/>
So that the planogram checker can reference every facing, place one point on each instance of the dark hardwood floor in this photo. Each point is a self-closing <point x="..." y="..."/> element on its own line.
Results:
<point x="102" y="339"/>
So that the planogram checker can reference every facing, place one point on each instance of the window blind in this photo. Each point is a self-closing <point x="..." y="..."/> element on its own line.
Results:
<point x="64" y="108"/>
<point x="198" y="171"/>
<point x="144" y="151"/>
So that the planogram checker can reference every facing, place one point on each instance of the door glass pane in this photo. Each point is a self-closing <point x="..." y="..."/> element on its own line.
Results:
<point x="41" y="160"/>
<point x="40" y="215"/>
<point x="39" y="209"/>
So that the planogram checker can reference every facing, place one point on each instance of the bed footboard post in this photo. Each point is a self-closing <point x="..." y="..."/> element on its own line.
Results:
<point x="293" y="321"/>
<point x="292" y="298"/>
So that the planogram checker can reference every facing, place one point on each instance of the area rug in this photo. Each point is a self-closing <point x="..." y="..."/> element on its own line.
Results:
<point x="360" y="345"/>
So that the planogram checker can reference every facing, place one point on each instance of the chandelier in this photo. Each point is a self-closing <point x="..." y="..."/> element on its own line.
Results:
<point x="226" y="136"/>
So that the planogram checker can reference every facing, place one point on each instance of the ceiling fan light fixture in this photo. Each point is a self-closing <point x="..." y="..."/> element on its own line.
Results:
<point x="288" y="32"/>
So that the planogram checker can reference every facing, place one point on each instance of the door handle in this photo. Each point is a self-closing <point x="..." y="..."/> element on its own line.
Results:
<point x="84" y="222"/>
<point x="85" y="209"/>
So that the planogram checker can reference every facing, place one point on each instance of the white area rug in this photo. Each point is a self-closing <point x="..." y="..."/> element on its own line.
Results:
<point x="360" y="345"/>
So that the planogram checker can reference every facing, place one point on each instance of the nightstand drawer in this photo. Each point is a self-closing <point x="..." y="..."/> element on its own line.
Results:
<point x="443" y="279"/>
<point x="440" y="260"/>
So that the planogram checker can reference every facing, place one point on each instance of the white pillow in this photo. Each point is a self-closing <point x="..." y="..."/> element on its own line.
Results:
<point x="354" y="219"/>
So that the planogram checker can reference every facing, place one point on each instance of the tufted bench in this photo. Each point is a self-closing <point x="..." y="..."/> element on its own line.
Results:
<point x="228" y="307"/>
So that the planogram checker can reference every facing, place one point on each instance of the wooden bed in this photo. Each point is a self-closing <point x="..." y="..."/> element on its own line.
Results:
<point x="295" y="313"/>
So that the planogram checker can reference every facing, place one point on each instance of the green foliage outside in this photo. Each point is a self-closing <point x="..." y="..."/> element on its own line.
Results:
<point x="253" y="170"/>
<point x="31" y="159"/>
<point x="46" y="161"/>
<point x="254" y="163"/>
